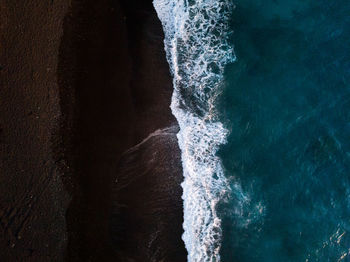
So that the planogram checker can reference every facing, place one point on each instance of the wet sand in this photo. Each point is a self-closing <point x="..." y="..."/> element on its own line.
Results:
<point x="81" y="83"/>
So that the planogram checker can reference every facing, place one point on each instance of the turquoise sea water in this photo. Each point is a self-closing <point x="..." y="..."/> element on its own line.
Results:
<point x="264" y="127"/>
<point x="286" y="104"/>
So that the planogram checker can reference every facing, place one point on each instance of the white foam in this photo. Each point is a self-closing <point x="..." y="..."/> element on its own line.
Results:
<point x="196" y="43"/>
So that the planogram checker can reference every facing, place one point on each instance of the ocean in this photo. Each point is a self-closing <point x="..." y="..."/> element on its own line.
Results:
<point x="262" y="97"/>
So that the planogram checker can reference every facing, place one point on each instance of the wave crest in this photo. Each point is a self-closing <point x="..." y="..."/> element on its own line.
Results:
<point x="197" y="48"/>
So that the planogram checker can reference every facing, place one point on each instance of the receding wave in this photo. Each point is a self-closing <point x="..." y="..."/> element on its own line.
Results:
<point x="197" y="47"/>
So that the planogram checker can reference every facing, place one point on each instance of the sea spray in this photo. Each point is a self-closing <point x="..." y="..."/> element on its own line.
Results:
<point x="197" y="48"/>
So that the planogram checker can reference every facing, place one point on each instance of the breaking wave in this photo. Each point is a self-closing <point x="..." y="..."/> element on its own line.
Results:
<point x="197" y="48"/>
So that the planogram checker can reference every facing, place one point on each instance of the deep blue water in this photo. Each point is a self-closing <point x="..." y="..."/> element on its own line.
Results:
<point x="286" y="103"/>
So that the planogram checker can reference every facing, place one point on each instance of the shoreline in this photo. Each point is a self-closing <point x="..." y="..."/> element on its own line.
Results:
<point x="103" y="85"/>
<point x="122" y="43"/>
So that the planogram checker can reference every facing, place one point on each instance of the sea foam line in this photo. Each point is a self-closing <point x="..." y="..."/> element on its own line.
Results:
<point x="197" y="48"/>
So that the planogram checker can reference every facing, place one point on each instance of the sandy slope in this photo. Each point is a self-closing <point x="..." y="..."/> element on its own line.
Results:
<point x="81" y="81"/>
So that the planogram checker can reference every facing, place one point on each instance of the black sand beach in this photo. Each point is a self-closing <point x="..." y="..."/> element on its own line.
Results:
<point x="82" y="82"/>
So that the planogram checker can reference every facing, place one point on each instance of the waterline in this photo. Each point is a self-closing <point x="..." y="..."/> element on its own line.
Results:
<point x="197" y="47"/>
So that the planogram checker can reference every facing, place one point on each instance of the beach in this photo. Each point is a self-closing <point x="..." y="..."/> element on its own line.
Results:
<point x="83" y="83"/>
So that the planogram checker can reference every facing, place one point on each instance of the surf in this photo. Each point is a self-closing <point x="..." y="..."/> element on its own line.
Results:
<point x="198" y="49"/>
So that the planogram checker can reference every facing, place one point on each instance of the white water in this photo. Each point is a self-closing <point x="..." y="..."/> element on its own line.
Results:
<point x="196" y="43"/>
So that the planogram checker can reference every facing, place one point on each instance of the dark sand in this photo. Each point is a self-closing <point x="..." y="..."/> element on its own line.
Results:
<point x="146" y="224"/>
<point x="82" y="81"/>
<point x="32" y="198"/>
